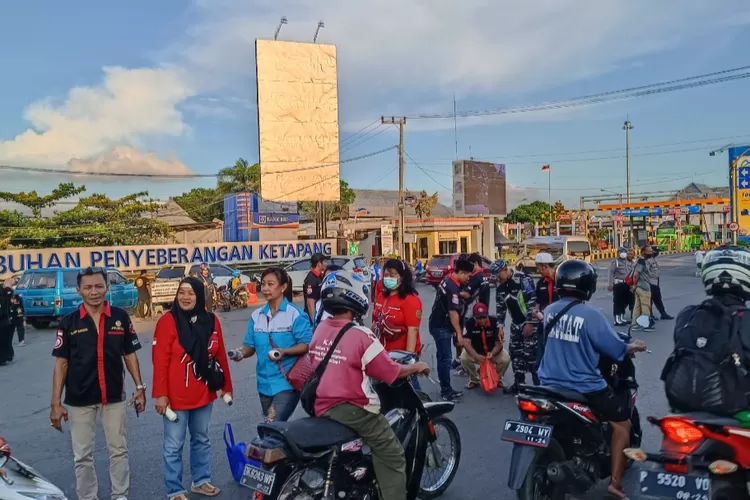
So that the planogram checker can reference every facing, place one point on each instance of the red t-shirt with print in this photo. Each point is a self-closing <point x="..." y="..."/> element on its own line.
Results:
<point x="391" y="318"/>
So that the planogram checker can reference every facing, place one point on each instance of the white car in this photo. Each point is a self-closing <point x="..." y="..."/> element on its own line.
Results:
<point x="298" y="271"/>
<point x="164" y="287"/>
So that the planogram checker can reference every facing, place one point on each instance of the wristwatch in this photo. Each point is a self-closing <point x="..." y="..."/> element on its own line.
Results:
<point x="141" y="387"/>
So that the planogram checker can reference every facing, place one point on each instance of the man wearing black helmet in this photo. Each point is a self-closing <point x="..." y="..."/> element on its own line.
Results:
<point x="577" y="335"/>
<point x="516" y="293"/>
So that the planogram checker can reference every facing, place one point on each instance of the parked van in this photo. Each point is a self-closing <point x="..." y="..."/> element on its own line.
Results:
<point x="561" y="248"/>
<point x="50" y="294"/>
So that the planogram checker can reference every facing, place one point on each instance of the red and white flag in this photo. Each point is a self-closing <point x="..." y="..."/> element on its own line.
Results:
<point x="545" y="168"/>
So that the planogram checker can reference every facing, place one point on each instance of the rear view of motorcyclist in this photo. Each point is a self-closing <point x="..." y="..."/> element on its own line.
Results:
<point x="571" y="356"/>
<point x="345" y="393"/>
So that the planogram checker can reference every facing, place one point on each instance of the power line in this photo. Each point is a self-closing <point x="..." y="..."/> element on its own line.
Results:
<point x="603" y="97"/>
<point x="185" y="176"/>
<point x="428" y="161"/>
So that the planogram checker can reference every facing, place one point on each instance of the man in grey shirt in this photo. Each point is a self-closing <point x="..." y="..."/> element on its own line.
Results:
<point x="642" y="281"/>
<point x="656" y="299"/>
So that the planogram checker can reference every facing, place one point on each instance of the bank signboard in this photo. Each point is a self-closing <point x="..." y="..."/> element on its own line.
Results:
<point x="132" y="258"/>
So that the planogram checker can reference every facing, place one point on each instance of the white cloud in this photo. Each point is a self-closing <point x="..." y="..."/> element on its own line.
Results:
<point x="395" y="57"/>
<point x="125" y="159"/>
<point x="130" y="104"/>
<point x="400" y="57"/>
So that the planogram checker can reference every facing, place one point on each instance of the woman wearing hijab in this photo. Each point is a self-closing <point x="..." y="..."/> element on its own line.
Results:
<point x="190" y="366"/>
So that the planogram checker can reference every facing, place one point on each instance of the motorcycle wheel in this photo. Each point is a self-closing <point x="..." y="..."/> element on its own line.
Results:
<point x="536" y="486"/>
<point x="451" y="462"/>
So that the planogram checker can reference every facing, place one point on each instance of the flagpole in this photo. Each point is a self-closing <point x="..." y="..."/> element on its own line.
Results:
<point x="549" y="196"/>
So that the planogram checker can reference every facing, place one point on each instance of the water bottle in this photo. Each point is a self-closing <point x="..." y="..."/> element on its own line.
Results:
<point x="171" y="416"/>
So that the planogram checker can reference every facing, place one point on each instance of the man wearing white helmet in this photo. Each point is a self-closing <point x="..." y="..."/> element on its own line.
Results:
<point x="345" y="392"/>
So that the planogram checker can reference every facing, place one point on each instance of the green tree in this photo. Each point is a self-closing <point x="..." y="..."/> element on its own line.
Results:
<point x="202" y="204"/>
<point x="37" y="203"/>
<point x="334" y="210"/>
<point x="95" y="221"/>
<point x="239" y="178"/>
<point x="529" y="213"/>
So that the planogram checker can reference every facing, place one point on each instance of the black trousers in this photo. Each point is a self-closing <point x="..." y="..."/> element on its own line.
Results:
<point x="20" y="327"/>
<point x="622" y="298"/>
<point x="6" y="341"/>
<point x="656" y="300"/>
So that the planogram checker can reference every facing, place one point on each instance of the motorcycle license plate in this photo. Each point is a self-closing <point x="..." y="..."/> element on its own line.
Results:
<point x="258" y="479"/>
<point x="39" y="303"/>
<point x="660" y="484"/>
<point x="527" y="433"/>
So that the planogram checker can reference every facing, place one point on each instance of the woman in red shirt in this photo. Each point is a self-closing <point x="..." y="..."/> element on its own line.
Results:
<point x="397" y="313"/>
<point x="190" y="366"/>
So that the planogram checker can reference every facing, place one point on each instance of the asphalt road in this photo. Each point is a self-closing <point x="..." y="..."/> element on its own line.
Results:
<point x="25" y="394"/>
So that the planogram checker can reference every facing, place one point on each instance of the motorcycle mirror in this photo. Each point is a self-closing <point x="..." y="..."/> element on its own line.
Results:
<point x="643" y="321"/>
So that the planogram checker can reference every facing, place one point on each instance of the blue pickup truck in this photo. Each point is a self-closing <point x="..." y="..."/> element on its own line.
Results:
<point x="50" y="294"/>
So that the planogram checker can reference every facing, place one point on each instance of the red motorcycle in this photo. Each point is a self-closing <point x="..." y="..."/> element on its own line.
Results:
<point x="702" y="457"/>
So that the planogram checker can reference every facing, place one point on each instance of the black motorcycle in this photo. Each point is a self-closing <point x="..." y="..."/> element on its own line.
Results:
<point x="320" y="459"/>
<point x="223" y="299"/>
<point x="560" y="445"/>
<point x="239" y="297"/>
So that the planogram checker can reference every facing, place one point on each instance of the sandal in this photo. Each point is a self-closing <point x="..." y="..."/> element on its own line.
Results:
<point x="181" y="496"/>
<point x="472" y="385"/>
<point x="206" y="489"/>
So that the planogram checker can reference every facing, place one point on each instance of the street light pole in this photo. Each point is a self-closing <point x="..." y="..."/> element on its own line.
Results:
<point x="627" y="127"/>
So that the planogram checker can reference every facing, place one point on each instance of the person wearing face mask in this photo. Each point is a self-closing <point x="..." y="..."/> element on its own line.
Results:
<point x="619" y="269"/>
<point x="397" y="312"/>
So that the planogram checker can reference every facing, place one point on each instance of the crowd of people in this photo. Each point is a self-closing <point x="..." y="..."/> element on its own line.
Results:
<point x="97" y="343"/>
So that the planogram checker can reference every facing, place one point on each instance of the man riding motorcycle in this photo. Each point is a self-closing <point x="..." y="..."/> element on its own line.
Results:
<point x="516" y="292"/>
<point x="571" y="356"/>
<point x="345" y="392"/>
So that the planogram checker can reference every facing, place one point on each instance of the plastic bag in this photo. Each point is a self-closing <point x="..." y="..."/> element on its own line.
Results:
<point x="236" y="454"/>
<point x="488" y="376"/>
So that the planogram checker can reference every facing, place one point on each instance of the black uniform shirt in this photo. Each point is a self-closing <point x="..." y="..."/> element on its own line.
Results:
<point x="96" y="372"/>
<point x="447" y="298"/>
<point x="312" y="285"/>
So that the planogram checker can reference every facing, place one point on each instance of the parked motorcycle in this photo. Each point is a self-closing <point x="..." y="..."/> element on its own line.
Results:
<point x="318" y="458"/>
<point x="223" y="299"/>
<point x="560" y="446"/>
<point x="703" y="456"/>
<point x="239" y="297"/>
<point x="421" y="276"/>
<point x="18" y="481"/>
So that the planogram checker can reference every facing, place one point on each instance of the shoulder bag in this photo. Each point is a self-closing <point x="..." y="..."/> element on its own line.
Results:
<point x="300" y="371"/>
<point x="308" y="394"/>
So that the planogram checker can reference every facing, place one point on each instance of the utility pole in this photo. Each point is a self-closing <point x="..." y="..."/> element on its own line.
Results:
<point x="400" y="122"/>
<point x="627" y="127"/>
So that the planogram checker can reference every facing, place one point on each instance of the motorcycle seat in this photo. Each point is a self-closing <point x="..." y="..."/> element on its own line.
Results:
<point x="704" y="417"/>
<point x="309" y="435"/>
<point x="553" y="392"/>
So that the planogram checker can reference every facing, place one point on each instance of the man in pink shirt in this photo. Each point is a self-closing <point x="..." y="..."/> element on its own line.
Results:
<point x="345" y="392"/>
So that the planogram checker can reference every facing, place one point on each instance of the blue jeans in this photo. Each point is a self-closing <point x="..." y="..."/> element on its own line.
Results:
<point x="198" y="422"/>
<point x="279" y="408"/>
<point x="444" y="347"/>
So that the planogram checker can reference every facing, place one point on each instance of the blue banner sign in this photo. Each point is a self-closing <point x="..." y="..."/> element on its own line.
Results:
<point x="132" y="258"/>
<point x="655" y="211"/>
<point x="278" y="220"/>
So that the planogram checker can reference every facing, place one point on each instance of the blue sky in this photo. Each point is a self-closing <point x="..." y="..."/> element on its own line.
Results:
<point x="169" y="86"/>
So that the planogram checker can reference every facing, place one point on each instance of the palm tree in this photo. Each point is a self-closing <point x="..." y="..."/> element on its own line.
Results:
<point x="239" y="178"/>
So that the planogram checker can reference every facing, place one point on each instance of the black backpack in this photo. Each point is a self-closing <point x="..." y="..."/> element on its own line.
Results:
<point x="708" y="369"/>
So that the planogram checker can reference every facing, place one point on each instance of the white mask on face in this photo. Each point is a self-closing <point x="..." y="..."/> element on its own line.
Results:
<point x="623" y="255"/>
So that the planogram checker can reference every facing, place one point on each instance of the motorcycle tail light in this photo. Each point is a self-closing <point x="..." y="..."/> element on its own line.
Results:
<point x="680" y="431"/>
<point x="534" y="405"/>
